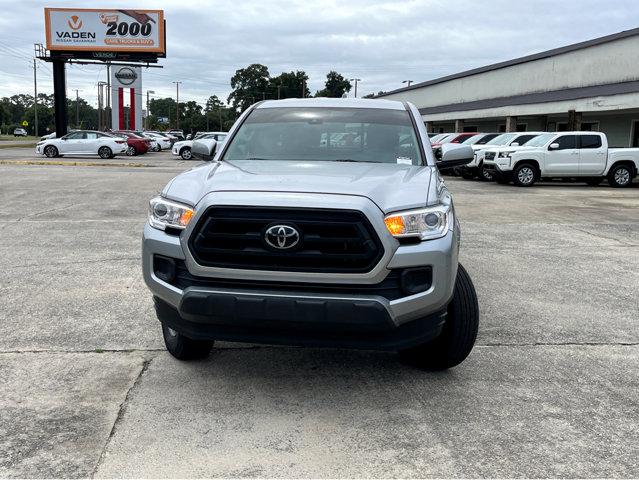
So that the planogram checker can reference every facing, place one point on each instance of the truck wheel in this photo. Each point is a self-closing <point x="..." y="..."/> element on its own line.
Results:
<point x="186" y="154"/>
<point x="620" y="176"/>
<point x="524" y="175"/>
<point x="184" y="348"/>
<point x="593" y="181"/>
<point x="485" y="174"/>
<point x="105" y="152"/>
<point x="459" y="333"/>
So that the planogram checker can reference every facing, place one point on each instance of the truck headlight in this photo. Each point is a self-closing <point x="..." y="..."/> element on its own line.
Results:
<point x="504" y="154"/>
<point x="164" y="213"/>
<point x="426" y="223"/>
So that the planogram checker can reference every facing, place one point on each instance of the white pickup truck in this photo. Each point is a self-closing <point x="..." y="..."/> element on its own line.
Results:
<point x="566" y="155"/>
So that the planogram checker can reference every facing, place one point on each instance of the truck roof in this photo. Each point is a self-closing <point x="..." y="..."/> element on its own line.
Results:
<point x="334" y="103"/>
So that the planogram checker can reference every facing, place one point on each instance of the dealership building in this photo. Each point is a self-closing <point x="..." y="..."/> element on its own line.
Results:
<point x="592" y="85"/>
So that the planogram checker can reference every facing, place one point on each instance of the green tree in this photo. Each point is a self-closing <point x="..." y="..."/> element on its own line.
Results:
<point x="87" y="116"/>
<point x="335" y="87"/>
<point x="289" y="85"/>
<point x="249" y="85"/>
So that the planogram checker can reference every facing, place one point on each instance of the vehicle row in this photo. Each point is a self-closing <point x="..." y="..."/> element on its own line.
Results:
<point x="105" y="144"/>
<point x="525" y="158"/>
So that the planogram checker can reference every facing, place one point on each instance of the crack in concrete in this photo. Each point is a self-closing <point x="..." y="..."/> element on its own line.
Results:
<point x="623" y="243"/>
<point x="120" y="416"/>
<point x="46" y="211"/>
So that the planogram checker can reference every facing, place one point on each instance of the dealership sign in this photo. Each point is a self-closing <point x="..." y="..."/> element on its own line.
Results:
<point x="105" y="30"/>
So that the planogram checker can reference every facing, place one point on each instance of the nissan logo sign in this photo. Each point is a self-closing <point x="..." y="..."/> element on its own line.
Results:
<point x="126" y="76"/>
<point x="281" y="237"/>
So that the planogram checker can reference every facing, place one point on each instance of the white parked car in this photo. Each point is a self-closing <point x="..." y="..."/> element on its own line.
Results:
<point x="20" y="132"/>
<point x="476" y="167"/>
<point x="583" y="156"/>
<point x="162" y="142"/>
<point x="183" y="148"/>
<point x="83" y="142"/>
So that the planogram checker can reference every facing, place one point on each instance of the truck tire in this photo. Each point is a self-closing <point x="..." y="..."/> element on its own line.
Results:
<point x="179" y="346"/>
<point x="184" y="348"/>
<point x="485" y="174"/>
<point x="620" y="176"/>
<point x="524" y="175"/>
<point x="458" y="335"/>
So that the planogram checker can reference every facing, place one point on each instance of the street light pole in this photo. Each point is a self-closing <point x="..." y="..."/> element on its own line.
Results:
<point x="177" y="105"/>
<point x="146" y="119"/>
<point x="355" y="80"/>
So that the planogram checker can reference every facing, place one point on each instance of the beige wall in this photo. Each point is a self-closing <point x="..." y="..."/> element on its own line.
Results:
<point x="612" y="62"/>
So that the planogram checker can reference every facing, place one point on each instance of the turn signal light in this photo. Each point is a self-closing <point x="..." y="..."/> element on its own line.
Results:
<point x="395" y="225"/>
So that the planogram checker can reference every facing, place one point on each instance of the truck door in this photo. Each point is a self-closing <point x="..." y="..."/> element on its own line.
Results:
<point x="564" y="159"/>
<point x="592" y="155"/>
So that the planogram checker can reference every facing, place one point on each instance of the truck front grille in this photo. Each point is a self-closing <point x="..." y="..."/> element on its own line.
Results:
<point x="336" y="241"/>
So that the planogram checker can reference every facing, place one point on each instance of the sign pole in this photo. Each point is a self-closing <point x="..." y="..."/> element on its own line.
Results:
<point x="59" y="97"/>
<point x="35" y="97"/>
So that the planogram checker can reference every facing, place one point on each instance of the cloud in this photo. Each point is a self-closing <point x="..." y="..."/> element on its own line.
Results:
<point x="381" y="42"/>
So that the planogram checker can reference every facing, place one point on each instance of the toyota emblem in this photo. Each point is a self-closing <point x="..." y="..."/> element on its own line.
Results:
<point x="281" y="237"/>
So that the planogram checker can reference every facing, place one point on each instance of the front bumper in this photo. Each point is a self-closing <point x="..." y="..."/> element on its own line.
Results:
<point x="276" y="313"/>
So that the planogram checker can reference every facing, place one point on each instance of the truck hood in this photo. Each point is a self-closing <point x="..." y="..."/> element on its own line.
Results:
<point x="509" y="149"/>
<point x="392" y="187"/>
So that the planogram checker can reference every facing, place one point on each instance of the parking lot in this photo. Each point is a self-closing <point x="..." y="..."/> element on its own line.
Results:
<point x="88" y="390"/>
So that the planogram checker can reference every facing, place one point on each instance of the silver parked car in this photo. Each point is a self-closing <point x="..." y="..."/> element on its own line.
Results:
<point x="286" y="237"/>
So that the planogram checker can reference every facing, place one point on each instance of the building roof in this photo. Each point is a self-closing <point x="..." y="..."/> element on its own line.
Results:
<point x="516" y="61"/>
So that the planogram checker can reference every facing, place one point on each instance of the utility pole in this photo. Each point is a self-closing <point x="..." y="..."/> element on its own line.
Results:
<point x="408" y="82"/>
<point x="146" y="119"/>
<point x="35" y="97"/>
<point x="219" y="111"/>
<point x="303" y="88"/>
<point x="207" y="118"/>
<point x="177" y="105"/>
<point x="355" y="80"/>
<point x="77" y="109"/>
<point x="279" y="87"/>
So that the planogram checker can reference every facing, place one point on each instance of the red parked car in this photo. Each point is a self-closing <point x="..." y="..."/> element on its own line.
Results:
<point x="455" y="138"/>
<point x="137" y="144"/>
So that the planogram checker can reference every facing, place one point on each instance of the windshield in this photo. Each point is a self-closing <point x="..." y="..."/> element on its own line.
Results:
<point x="469" y="140"/>
<point x="503" y="139"/>
<point x="540" y="141"/>
<point x="474" y="139"/>
<point x="326" y="134"/>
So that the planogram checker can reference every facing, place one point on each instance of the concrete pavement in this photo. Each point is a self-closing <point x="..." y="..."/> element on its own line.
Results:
<point x="87" y="388"/>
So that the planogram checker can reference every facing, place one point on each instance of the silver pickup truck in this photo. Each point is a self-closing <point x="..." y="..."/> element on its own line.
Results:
<point x="317" y="222"/>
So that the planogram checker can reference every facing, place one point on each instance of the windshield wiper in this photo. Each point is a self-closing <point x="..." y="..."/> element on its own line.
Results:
<point x="352" y="161"/>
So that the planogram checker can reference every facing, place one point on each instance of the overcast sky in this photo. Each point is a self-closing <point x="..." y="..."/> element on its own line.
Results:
<point x="382" y="43"/>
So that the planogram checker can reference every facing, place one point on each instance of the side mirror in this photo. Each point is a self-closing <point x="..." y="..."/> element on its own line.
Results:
<point x="204" y="149"/>
<point x="514" y="144"/>
<point x="455" y="155"/>
<point x="553" y="146"/>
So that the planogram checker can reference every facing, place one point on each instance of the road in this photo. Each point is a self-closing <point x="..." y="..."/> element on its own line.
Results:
<point x="88" y="390"/>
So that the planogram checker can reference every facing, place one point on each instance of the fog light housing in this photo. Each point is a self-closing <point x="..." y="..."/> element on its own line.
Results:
<point x="416" y="280"/>
<point x="164" y="268"/>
